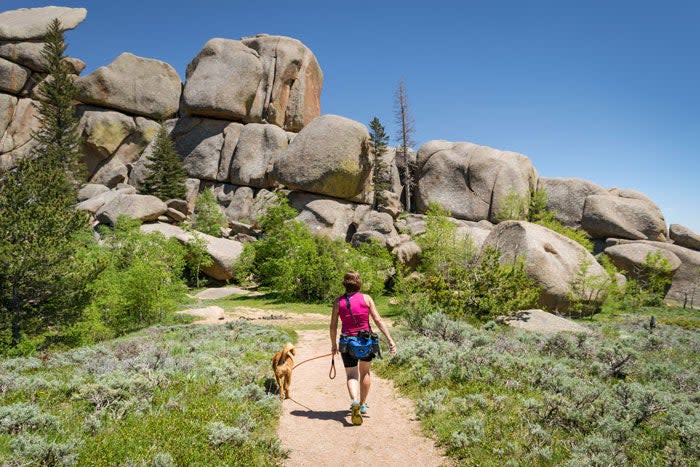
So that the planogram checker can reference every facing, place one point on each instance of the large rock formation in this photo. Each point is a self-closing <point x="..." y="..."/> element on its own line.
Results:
<point x="551" y="259"/>
<point x="257" y="149"/>
<point x="623" y="214"/>
<point x="685" y="286"/>
<point x="261" y="79"/>
<point x="142" y="207"/>
<point x="17" y="141"/>
<point x="471" y="181"/>
<point x="631" y="257"/>
<point x="135" y="85"/>
<point x="330" y="156"/>
<point x="12" y="76"/>
<point x="292" y="80"/>
<point x="324" y="216"/>
<point x="566" y="197"/>
<point x="32" y="23"/>
<point x="683" y="236"/>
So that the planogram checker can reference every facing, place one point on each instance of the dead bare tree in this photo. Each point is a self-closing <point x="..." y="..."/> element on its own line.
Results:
<point x="405" y="122"/>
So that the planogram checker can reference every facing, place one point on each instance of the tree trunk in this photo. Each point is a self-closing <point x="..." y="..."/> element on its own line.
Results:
<point x="407" y="180"/>
<point x="16" y="314"/>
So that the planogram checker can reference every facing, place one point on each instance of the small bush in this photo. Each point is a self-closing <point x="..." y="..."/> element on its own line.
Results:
<point x="23" y="416"/>
<point x="38" y="450"/>
<point x="220" y="433"/>
<point x="301" y="266"/>
<point x="208" y="217"/>
<point x="588" y="291"/>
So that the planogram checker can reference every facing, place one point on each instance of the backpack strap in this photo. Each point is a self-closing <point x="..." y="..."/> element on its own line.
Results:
<point x="347" y="305"/>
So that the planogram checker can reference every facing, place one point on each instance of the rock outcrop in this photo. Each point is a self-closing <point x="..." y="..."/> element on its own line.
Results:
<point x="471" y="181"/>
<point x="551" y="259"/>
<point x="257" y="149"/>
<point x="135" y="85"/>
<point x="685" y="286"/>
<point x="32" y="23"/>
<point x="330" y="156"/>
<point x="683" y="236"/>
<point x="623" y="214"/>
<point x="247" y="124"/>
<point x="222" y="251"/>
<point x="142" y="207"/>
<point x="324" y="216"/>
<point x="16" y="143"/>
<point x="262" y="79"/>
<point x="630" y="257"/>
<point x="566" y="197"/>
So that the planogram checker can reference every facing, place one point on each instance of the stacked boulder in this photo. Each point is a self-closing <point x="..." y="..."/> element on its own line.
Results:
<point x="22" y="68"/>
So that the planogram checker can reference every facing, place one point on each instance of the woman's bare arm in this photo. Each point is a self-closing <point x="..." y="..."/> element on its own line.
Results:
<point x="334" y="328"/>
<point x="380" y="324"/>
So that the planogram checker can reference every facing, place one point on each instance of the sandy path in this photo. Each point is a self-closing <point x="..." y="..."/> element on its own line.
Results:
<point x="315" y="427"/>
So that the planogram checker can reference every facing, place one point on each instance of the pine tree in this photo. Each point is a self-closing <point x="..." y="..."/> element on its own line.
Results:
<point x="167" y="176"/>
<point x="378" y="140"/>
<point x="42" y="273"/>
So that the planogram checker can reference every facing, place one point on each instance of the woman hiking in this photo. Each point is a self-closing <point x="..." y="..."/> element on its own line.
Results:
<point x="355" y="309"/>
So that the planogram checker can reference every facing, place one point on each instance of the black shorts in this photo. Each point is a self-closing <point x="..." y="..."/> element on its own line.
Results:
<point x="349" y="361"/>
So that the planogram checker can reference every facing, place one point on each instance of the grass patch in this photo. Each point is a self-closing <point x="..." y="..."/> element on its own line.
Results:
<point x="687" y="318"/>
<point x="168" y="395"/>
<point x="272" y="301"/>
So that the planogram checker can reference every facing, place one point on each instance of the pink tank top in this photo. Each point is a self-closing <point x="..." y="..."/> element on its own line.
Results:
<point x="360" y="311"/>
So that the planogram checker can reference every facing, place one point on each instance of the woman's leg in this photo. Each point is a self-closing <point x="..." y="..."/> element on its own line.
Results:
<point x="365" y="380"/>
<point x="353" y="381"/>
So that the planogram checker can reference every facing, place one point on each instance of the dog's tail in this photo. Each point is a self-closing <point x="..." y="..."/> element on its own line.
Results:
<point x="281" y="357"/>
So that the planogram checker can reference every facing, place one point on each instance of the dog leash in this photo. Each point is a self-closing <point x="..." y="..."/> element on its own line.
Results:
<point x="331" y="372"/>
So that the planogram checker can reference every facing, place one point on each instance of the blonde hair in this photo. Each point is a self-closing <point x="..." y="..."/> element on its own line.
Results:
<point x="352" y="282"/>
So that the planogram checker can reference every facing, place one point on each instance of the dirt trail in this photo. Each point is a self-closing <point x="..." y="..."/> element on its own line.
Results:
<point x="315" y="426"/>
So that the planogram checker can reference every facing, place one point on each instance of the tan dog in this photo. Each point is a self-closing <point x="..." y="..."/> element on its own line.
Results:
<point x="282" y="364"/>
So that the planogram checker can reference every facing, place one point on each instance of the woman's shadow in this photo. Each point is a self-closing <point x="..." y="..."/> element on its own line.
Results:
<point x="339" y="416"/>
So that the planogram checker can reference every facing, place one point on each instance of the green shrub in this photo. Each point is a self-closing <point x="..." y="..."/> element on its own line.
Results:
<point x="578" y="236"/>
<point x="455" y="280"/>
<point x="22" y="416"/>
<point x="141" y="281"/>
<point x="196" y="258"/>
<point x="513" y="207"/>
<point x="648" y="288"/>
<point x="534" y="209"/>
<point x="208" y="217"/>
<point x="588" y="291"/>
<point x="40" y="451"/>
<point x="302" y="266"/>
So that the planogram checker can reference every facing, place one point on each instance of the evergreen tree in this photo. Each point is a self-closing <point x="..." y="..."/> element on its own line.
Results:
<point x="378" y="139"/>
<point x="167" y="176"/>
<point x="42" y="262"/>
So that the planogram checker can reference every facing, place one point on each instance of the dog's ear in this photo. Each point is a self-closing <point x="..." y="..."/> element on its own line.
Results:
<point x="293" y="351"/>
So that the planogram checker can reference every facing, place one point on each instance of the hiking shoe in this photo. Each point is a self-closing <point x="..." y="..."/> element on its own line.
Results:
<point x="356" y="415"/>
<point x="363" y="409"/>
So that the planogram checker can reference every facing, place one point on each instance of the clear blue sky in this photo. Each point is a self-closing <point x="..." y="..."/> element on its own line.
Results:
<point x="608" y="91"/>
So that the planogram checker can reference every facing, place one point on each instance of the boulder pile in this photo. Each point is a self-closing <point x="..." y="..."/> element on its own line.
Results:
<point x="247" y="122"/>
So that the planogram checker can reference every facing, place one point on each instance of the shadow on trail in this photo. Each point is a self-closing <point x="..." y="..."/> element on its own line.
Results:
<point x="337" y="415"/>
